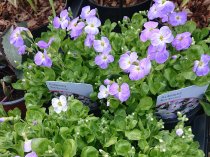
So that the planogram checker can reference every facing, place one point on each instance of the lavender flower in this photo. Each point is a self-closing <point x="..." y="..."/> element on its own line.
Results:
<point x="158" y="53"/>
<point x="32" y="154"/>
<point x="86" y="12"/>
<point x="150" y="28"/>
<point x="16" y="38"/>
<point x="43" y="45"/>
<point x="102" y="45"/>
<point x="162" y="37"/>
<point x="89" y="40"/>
<point x="103" y="92"/>
<point x="76" y="28"/>
<point x="27" y="146"/>
<point x="178" y="18"/>
<point x="140" y="69"/>
<point x="127" y="59"/>
<point x="42" y="59"/>
<point x="59" y="104"/>
<point x="154" y="12"/>
<point x="22" y="50"/>
<point x="63" y="21"/>
<point x="182" y="41"/>
<point x="120" y="92"/>
<point x="92" y="25"/>
<point x="107" y="82"/>
<point x="103" y="60"/>
<point x="201" y="68"/>
<point x="2" y="119"/>
<point x="179" y="132"/>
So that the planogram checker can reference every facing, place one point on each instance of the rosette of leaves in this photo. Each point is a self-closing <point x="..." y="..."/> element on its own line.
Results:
<point x="75" y="133"/>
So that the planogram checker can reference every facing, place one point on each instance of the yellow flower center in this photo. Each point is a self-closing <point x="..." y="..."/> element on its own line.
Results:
<point x="104" y="57"/>
<point x="102" y="43"/>
<point x="92" y="25"/>
<point x="161" y="38"/>
<point x="59" y="103"/>
<point x="200" y="64"/>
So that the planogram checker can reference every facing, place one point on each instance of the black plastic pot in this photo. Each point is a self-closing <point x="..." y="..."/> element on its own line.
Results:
<point x="116" y="14"/>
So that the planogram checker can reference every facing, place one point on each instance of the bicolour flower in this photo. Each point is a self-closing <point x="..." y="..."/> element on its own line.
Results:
<point x="32" y="154"/>
<point x="59" y="104"/>
<point x="162" y="37"/>
<point x="86" y="12"/>
<point x="16" y="38"/>
<point x="179" y="132"/>
<point x="154" y="12"/>
<point x="92" y="25"/>
<point x="102" y="45"/>
<point x="89" y="40"/>
<point x="182" y="41"/>
<point x="201" y="68"/>
<point x="76" y="28"/>
<point x="121" y="92"/>
<point x="127" y="59"/>
<point x="178" y="18"/>
<point x="103" y="92"/>
<point x="62" y="21"/>
<point x="44" y="45"/>
<point x="27" y="146"/>
<point x="150" y="28"/>
<point x="42" y="59"/>
<point x="103" y="60"/>
<point x="140" y="69"/>
<point x="158" y="53"/>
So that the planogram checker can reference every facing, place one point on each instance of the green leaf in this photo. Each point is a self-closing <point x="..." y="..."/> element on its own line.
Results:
<point x="110" y="142"/>
<point x="40" y="145"/>
<point x="9" y="50"/>
<point x="70" y="148"/>
<point x="206" y="107"/>
<point x="122" y="147"/>
<point x="145" y="104"/>
<point x="189" y="75"/>
<point x="133" y="135"/>
<point x="89" y="151"/>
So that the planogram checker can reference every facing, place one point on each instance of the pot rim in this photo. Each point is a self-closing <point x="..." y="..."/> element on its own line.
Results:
<point x="145" y="1"/>
<point x="14" y="102"/>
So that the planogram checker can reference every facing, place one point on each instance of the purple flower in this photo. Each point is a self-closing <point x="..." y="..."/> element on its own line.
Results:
<point x="89" y="40"/>
<point x="174" y="57"/>
<point x="22" y="50"/>
<point x="76" y="28"/>
<point x="63" y="21"/>
<point x="16" y="38"/>
<point x="92" y="25"/>
<point x="2" y="119"/>
<point x="107" y="82"/>
<point x="43" y="45"/>
<point x="27" y="146"/>
<point x="179" y="132"/>
<point x="86" y="12"/>
<point x="32" y="154"/>
<point x="140" y="70"/>
<point x="120" y="92"/>
<point x="154" y="12"/>
<point x="178" y="18"/>
<point x="103" y="60"/>
<point x="103" y="92"/>
<point x="158" y="53"/>
<point x="42" y="59"/>
<point x="150" y="28"/>
<point x="182" y="41"/>
<point x="102" y="45"/>
<point x="201" y="68"/>
<point x="127" y="59"/>
<point x="165" y="6"/>
<point x="162" y="37"/>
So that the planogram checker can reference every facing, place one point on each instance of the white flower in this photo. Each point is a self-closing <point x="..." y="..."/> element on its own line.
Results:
<point x="27" y="146"/>
<point x="104" y="92"/>
<point x="59" y="104"/>
<point x="179" y="132"/>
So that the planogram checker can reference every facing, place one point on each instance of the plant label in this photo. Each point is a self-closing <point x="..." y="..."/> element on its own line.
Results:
<point x="70" y="88"/>
<point x="183" y="100"/>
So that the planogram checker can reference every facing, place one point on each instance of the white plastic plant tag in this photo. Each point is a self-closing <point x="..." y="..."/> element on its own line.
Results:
<point x="182" y="100"/>
<point x="70" y="88"/>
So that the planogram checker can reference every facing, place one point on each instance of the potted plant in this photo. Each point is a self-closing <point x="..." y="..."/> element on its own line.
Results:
<point x="68" y="130"/>
<point x="115" y="10"/>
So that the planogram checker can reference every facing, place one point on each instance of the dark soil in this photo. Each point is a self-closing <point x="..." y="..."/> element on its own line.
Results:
<point x="10" y="15"/>
<point x="116" y="3"/>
